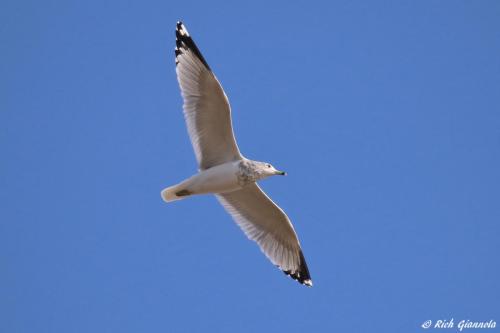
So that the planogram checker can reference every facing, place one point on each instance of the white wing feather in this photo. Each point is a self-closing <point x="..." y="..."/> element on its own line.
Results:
<point x="266" y="223"/>
<point x="206" y="107"/>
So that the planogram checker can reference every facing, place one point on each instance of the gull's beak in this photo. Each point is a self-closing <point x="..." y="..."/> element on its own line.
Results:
<point x="281" y="173"/>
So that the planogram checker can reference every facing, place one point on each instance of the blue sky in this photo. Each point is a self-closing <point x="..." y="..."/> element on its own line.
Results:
<point x="385" y="115"/>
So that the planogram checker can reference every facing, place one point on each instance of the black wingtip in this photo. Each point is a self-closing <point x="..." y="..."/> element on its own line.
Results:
<point x="302" y="274"/>
<point x="184" y="42"/>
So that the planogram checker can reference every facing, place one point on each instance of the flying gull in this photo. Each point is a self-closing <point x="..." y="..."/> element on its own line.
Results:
<point x="223" y="171"/>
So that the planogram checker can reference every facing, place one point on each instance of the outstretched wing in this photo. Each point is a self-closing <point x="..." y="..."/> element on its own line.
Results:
<point x="265" y="223"/>
<point x="206" y="108"/>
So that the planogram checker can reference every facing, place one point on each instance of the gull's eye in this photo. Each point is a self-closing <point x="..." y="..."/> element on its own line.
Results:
<point x="269" y="165"/>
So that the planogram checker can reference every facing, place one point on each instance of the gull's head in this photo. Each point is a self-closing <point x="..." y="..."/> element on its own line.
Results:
<point x="266" y="170"/>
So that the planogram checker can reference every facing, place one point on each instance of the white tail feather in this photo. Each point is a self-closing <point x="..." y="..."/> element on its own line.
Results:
<point x="176" y="192"/>
<point x="168" y="194"/>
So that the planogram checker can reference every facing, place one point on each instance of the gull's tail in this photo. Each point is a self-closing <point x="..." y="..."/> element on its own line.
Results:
<point x="176" y="192"/>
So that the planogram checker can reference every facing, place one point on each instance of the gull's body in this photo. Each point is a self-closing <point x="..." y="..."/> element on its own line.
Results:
<point x="223" y="170"/>
<point x="218" y="179"/>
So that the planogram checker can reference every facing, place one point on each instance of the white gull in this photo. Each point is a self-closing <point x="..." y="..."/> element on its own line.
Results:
<point x="223" y="170"/>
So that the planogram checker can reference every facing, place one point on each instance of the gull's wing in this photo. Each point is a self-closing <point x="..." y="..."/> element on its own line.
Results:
<point x="206" y="108"/>
<point x="265" y="223"/>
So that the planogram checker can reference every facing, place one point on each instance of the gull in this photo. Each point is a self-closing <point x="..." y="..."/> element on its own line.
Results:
<point x="223" y="170"/>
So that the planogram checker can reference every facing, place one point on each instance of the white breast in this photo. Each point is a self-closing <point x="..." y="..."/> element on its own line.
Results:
<point x="219" y="179"/>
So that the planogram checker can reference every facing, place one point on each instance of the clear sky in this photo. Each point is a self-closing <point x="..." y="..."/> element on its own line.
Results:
<point x="386" y="116"/>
